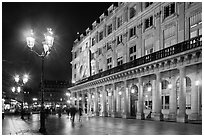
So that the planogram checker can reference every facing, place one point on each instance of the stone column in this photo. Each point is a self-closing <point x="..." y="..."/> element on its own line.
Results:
<point x="156" y="89"/>
<point x="113" y="114"/>
<point x="72" y="101"/>
<point x="195" y="98"/>
<point x="140" y="113"/>
<point x="182" y="117"/>
<point x="89" y="102"/>
<point x="125" y="103"/>
<point x="96" y="102"/>
<point x="83" y="101"/>
<point x="118" y="110"/>
<point x="173" y="100"/>
<point x="77" y="100"/>
<point x="104" y="96"/>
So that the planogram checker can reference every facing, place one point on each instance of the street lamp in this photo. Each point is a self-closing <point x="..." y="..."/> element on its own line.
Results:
<point x="47" y="45"/>
<point x="20" y="81"/>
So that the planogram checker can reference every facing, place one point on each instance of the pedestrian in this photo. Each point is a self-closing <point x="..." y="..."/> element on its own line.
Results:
<point x="68" y="111"/>
<point x="73" y="111"/>
<point x="59" y="112"/>
<point x="80" y="113"/>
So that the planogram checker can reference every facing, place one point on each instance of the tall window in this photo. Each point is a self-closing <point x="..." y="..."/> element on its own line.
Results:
<point x="169" y="10"/>
<point x="119" y="21"/>
<point x="196" y="25"/>
<point x="100" y="35"/>
<point x="109" y="29"/>
<point x="119" y="39"/>
<point x="132" y="11"/>
<point x="109" y="63"/>
<point x="93" y="41"/>
<point x="119" y="58"/>
<point x="132" y="31"/>
<point x="109" y="45"/>
<point x="170" y="36"/>
<point x="132" y="52"/>
<point x="149" y="46"/>
<point x="148" y="22"/>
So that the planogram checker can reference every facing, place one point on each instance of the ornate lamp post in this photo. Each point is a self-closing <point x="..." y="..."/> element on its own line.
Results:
<point x="47" y="45"/>
<point x="20" y="81"/>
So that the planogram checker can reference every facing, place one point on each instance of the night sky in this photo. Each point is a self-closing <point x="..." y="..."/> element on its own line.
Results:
<point x="65" y="18"/>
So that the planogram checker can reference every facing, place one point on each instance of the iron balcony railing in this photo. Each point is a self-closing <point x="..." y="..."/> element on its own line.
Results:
<point x="166" y="52"/>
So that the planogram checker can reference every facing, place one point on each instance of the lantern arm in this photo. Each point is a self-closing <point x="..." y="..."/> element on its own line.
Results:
<point x="40" y="55"/>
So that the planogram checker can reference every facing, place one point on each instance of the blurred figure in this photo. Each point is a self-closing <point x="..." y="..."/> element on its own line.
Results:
<point x="68" y="111"/>
<point x="80" y="113"/>
<point x="59" y="112"/>
<point x="73" y="111"/>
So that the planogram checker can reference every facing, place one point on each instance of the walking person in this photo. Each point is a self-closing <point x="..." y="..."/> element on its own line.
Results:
<point x="80" y="113"/>
<point x="68" y="111"/>
<point x="73" y="111"/>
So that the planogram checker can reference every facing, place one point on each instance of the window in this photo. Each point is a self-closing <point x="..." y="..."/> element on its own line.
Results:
<point x="100" y="35"/>
<point x="132" y="49"/>
<point x="109" y="45"/>
<point x="147" y="4"/>
<point x="132" y="52"/>
<point x="165" y="84"/>
<point x="99" y="51"/>
<point x="195" y="25"/>
<point x="119" y="39"/>
<point x="119" y="22"/>
<point x="74" y="55"/>
<point x="132" y="11"/>
<point x="74" y="66"/>
<point x="74" y="76"/>
<point x="132" y="32"/>
<point x="110" y="29"/>
<point x="109" y="63"/>
<point x="120" y="61"/>
<point x="149" y="46"/>
<point x="169" y="10"/>
<point x="148" y="22"/>
<point x="170" y="36"/>
<point x="93" y="41"/>
<point x="165" y="102"/>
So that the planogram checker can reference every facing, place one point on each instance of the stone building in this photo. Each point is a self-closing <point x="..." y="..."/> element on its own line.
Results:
<point x="141" y="60"/>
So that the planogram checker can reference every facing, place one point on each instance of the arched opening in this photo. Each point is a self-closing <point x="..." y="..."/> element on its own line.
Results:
<point x="133" y="100"/>
<point x="148" y="96"/>
<point x="165" y="94"/>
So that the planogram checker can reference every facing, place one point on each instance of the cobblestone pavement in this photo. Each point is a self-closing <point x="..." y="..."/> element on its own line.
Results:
<point x="13" y="125"/>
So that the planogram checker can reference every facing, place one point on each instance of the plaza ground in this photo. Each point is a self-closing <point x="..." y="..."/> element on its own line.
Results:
<point x="14" y="125"/>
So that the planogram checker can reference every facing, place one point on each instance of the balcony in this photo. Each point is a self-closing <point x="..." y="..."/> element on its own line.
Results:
<point x="166" y="52"/>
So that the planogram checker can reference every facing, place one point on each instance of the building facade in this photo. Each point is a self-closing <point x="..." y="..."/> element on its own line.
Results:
<point x="141" y="60"/>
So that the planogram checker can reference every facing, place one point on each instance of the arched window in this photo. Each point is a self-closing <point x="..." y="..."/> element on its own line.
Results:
<point x="165" y="84"/>
<point x="148" y="95"/>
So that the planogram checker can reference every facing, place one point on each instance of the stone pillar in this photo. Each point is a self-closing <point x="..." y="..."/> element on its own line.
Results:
<point x="118" y="110"/>
<point x="140" y="113"/>
<point x="96" y="112"/>
<point x="89" y="103"/>
<point x="104" y="102"/>
<point x="173" y="100"/>
<point x="195" y="98"/>
<point x="77" y="100"/>
<point x="83" y="102"/>
<point x="156" y="88"/>
<point x="125" y="104"/>
<point x="72" y="100"/>
<point x="113" y="114"/>
<point x="182" y="117"/>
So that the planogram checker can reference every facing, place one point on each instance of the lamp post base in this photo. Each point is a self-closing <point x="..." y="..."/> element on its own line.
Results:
<point x="42" y="122"/>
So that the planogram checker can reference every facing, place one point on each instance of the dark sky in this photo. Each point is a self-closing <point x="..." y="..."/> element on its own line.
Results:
<point x="65" y="18"/>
